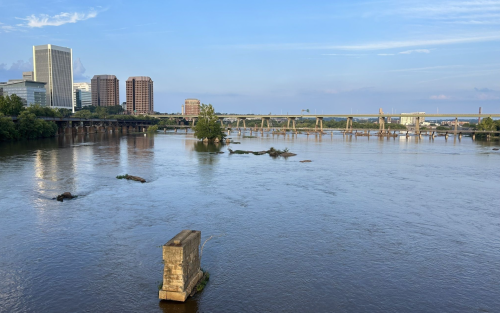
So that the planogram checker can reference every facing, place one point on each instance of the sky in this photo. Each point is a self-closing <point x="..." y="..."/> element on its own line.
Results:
<point x="331" y="57"/>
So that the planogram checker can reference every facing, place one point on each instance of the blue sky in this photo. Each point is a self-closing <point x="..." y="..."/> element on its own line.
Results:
<point x="275" y="56"/>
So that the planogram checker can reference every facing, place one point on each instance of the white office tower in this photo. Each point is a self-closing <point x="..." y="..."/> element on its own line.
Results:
<point x="54" y="66"/>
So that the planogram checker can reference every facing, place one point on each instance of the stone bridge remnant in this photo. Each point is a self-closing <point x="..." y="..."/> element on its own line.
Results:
<point x="181" y="273"/>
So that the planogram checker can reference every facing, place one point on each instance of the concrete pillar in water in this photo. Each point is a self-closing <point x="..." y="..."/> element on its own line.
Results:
<point x="181" y="272"/>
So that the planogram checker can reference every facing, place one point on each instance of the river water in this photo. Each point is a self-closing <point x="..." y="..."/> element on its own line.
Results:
<point x="370" y="225"/>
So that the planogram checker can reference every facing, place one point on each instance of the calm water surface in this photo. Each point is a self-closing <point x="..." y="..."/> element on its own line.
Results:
<point x="368" y="226"/>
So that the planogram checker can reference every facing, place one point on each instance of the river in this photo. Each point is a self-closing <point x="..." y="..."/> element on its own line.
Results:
<point x="370" y="225"/>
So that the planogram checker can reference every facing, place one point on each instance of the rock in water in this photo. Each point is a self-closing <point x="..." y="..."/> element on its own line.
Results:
<point x="305" y="161"/>
<point x="64" y="195"/>
<point x="136" y="178"/>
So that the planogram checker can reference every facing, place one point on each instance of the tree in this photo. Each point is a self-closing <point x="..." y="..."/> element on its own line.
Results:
<point x="7" y="128"/>
<point x="487" y="124"/>
<point x="83" y="114"/>
<point x="28" y="126"/>
<point x="11" y="105"/>
<point x="64" y="112"/>
<point x="208" y="125"/>
<point x="39" y="110"/>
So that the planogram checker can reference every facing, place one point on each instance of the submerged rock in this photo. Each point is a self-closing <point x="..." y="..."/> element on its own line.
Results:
<point x="496" y="149"/>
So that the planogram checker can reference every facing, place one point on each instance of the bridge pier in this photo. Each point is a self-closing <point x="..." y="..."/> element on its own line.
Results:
<point x="381" y="121"/>
<point x="456" y="126"/>
<point x="320" y="121"/>
<point x="348" y="125"/>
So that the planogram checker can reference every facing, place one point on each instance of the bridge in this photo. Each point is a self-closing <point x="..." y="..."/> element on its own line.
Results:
<point x="349" y="118"/>
<point x="75" y="125"/>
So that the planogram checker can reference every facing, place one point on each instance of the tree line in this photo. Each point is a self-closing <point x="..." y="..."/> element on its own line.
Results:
<point x="28" y="126"/>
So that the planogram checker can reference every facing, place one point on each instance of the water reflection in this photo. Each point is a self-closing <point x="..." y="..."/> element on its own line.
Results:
<point x="207" y="152"/>
<point x="191" y="305"/>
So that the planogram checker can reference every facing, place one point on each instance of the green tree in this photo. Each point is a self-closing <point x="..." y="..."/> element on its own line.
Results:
<point x="7" y="128"/>
<point x="487" y="124"/>
<point x="44" y="111"/>
<point x="29" y="126"/>
<point x="11" y="105"/>
<point x="208" y="125"/>
<point x="64" y="112"/>
<point x="83" y="114"/>
<point x="101" y="112"/>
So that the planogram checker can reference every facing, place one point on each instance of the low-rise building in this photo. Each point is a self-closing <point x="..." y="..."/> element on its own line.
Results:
<point x="411" y="120"/>
<point x="30" y="92"/>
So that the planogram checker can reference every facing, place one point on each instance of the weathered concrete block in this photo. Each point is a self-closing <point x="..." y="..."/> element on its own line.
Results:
<point x="181" y="272"/>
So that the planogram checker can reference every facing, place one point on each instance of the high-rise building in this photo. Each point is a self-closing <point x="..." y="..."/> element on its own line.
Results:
<point x="140" y="95"/>
<point x="191" y="107"/>
<point x="53" y="65"/>
<point x="28" y="76"/>
<point x="82" y="95"/>
<point x="105" y="90"/>
<point x="29" y="91"/>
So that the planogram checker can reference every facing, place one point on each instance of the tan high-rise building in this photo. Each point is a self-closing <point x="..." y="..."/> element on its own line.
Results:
<point x="105" y="90"/>
<point x="191" y="107"/>
<point x="140" y="95"/>
<point x="53" y="65"/>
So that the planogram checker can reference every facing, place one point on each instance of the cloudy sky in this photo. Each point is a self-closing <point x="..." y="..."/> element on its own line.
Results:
<point x="274" y="56"/>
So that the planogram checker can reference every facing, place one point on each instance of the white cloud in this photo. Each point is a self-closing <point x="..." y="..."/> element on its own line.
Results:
<point x="345" y="54"/>
<point x="439" y="97"/>
<point x="385" y="54"/>
<point x="373" y="46"/>
<point x="42" y="20"/>
<point x="415" y="51"/>
<point x="462" y="12"/>
<point x="79" y="70"/>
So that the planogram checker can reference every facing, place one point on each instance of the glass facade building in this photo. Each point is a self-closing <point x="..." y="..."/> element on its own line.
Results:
<point x="54" y="66"/>
<point x="30" y="92"/>
<point x="82" y="98"/>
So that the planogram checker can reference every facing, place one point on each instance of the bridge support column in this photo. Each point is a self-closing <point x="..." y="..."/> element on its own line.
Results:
<point x="194" y="119"/>
<point x="381" y="124"/>
<point x="417" y="125"/>
<point x="262" y="124"/>
<point x="348" y="125"/>
<point x="473" y="136"/>
<point x="456" y="126"/>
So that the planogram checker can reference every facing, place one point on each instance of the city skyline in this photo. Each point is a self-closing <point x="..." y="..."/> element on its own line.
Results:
<point x="403" y="56"/>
